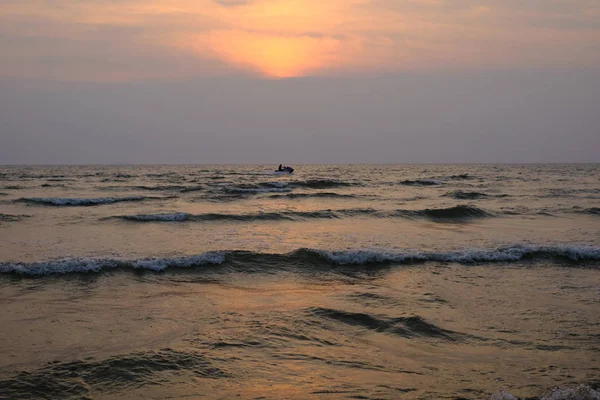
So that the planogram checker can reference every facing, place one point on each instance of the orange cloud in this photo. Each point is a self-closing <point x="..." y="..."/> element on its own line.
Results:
<point x="288" y="38"/>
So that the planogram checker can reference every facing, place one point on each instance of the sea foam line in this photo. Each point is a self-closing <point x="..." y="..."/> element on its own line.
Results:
<point x="581" y="392"/>
<point x="468" y="256"/>
<point x="310" y="256"/>
<point x="73" y="265"/>
<point x="460" y="212"/>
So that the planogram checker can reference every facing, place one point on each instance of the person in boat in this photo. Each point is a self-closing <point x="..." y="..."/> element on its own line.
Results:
<point x="285" y="169"/>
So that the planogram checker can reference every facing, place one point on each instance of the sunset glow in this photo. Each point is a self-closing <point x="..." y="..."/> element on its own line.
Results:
<point x="289" y="38"/>
<point x="275" y="56"/>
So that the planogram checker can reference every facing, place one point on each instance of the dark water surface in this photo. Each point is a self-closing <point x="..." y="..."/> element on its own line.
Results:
<point x="362" y="281"/>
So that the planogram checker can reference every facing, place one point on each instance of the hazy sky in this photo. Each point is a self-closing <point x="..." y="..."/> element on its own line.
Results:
<point x="270" y="81"/>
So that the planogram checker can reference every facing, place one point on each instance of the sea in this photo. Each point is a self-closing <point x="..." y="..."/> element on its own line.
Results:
<point x="334" y="282"/>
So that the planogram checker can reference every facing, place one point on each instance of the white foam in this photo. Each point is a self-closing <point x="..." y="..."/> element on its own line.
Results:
<point x="179" y="216"/>
<point x="72" y="265"/>
<point x="350" y="257"/>
<point x="515" y="253"/>
<point x="581" y="392"/>
<point x="503" y="395"/>
<point x="59" y="201"/>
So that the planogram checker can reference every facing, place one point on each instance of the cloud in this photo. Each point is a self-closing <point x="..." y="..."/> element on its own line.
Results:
<point x="233" y="3"/>
<point x="284" y="38"/>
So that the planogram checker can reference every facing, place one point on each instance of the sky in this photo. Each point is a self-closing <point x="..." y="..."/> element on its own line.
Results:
<point x="292" y="81"/>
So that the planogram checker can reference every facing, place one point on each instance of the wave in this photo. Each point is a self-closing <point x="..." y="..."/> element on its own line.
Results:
<point x="322" y="184"/>
<point x="401" y="326"/>
<point x="441" y="214"/>
<point x="221" y="197"/>
<point x="311" y="258"/>
<point x="265" y="173"/>
<point x="251" y="189"/>
<point x="12" y="217"/>
<point x="189" y="189"/>
<point x="456" y="212"/>
<point x="85" y="378"/>
<point x="248" y="189"/>
<point x="13" y="187"/>
<point x="47" y="185"/>
<point x="159" y="188"/>
<point x="593" y="211"/>
<point x="590" y="193"/>
<point x="461" y="177"/>
<point x="260" y="216"/>
<point x="163" y="175"/>
<point x="275" y="184"/>
<point x="459" y="194"/>
<point x="422" y="182"/>
<point x="312" y="195"/>
<point x="60" y="201"/>
<point x="43" y="176"/>
<point x="74" y="265"/>
<point x="124" y="176"/>
<point x="113" y="180"/>
<point x="179" y="216"/>
<point x="507" y="254"/>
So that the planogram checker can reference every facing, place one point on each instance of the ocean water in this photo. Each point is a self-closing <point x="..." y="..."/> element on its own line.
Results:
<point x="335" y="282"/>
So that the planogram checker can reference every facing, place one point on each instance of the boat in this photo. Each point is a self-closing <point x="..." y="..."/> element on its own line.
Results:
<point x="284" y="170"/>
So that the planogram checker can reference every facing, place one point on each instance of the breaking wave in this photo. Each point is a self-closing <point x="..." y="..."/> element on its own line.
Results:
<point x="260" y="216"/>
<point x="60" y="201"/>
<point x="311" y="258"/>
<point x="73" y="265"/>
<point x="179" y="216"/>
<point x="471" y="256"/>
<point x="441" y="214"/>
